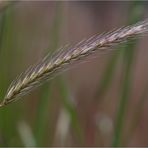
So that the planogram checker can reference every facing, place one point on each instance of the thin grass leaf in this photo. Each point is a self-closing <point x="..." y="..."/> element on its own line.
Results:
<point x="49" y="67"/>
<point x="107" y="75"/>
<point x="71" y="109"/>
<point x="42" y="109"/>
<point x="6" y="42"/>
<point x="126" y="82"/>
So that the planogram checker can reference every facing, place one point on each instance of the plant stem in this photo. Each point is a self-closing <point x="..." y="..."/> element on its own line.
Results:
<point x="126" y="82"/>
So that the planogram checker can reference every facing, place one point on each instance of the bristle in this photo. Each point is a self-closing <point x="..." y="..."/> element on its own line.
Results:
<point x="62" y="59"/>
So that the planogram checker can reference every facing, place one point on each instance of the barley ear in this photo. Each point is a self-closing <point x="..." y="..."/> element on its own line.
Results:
<point x="62" y="59"/>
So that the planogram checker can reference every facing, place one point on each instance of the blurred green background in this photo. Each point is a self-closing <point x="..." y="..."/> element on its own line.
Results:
<point x="102" y="102"/>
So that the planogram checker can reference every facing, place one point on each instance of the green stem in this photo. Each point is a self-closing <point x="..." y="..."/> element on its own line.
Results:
<point x="126" y="82"/>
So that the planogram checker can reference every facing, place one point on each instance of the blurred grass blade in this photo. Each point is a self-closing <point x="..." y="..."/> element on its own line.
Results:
<point x="136" y="6"/>
<point x="6" y="42"/>
<point x="69" y="106"/>
<point x="136" y="116"/>
<point x="107" y="76"/>
<point x="4" y="5"/>
<point x="119" y="122"/>
<point x="62" y="127"/>
<point x="104" y="84"/>
<point x="2" y="28"/>
<point x="26" y="134"/>
<point x="44" y="96"/>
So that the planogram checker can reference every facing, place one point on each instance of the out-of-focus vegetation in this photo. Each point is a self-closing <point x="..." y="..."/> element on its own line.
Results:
<point x="102" y="102"/>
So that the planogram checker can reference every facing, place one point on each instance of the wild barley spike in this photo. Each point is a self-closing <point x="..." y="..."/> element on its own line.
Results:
<point x="62" y="59"/>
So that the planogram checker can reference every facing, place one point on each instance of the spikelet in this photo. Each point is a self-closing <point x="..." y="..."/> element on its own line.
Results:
<point x="62" y="59"/>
